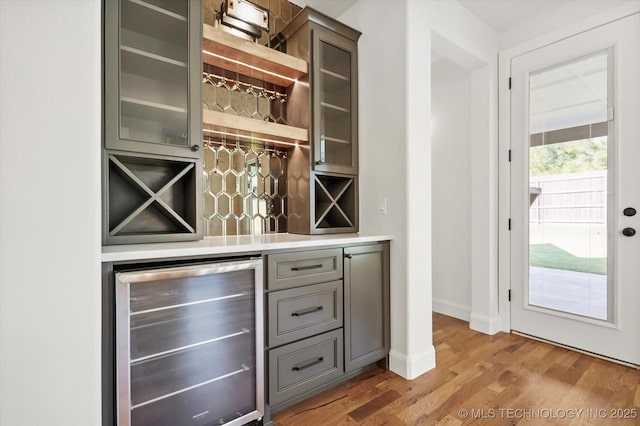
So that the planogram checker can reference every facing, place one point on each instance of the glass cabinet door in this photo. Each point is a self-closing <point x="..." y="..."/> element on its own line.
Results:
<point x="335" y="103"/>
<point x="151" y="55"/>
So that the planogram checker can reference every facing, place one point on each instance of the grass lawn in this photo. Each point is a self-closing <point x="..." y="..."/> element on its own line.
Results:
<point x="553" y="257"/>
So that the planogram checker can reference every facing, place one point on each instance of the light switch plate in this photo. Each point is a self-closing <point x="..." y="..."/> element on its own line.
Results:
<point x="382" y="205"/>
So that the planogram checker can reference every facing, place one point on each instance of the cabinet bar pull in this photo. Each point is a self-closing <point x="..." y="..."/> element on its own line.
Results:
<point x="307" y="364"/>
<point x="305" y="268"/>
<point x="307" y="311"/>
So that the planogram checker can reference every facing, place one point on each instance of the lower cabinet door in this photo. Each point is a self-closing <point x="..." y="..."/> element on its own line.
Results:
<point x="366" y="305"/>
<point x="304" y="365"/>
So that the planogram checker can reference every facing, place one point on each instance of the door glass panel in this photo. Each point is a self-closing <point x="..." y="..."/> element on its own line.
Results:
<point x="568" y="187"/>
<point x="154" y="77"/>
<point x="335" y="105"/>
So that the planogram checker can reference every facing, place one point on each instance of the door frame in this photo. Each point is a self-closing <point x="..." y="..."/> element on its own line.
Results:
<point x="504" y="138"/>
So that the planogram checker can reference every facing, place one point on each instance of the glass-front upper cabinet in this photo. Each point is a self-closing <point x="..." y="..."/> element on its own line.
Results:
<point x="152" y="76"/>
<point x="335" y="102"/>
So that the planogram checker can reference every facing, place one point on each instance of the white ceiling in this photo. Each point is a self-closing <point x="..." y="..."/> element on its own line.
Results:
<point x="328" y="7"/>
<point x="502" y="15"/>
<point x="499" y="15"/>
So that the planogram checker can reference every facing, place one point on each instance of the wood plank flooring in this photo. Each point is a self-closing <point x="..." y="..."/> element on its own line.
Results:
<point x="483" y="380"/>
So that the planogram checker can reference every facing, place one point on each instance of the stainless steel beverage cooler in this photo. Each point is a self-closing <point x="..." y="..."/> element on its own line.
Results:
<point x="189" y="343"/>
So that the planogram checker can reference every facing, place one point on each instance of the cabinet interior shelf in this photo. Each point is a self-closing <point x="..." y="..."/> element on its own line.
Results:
<point x="334" y="74"/>
<point x="153" y="56"/>
<point x="157" y="22"/>
<point x="336" y="140"/>
<point x="153" y="105"/>
<point x="160" y="10"/>
<point x="245" y="127"/>
<point x="151" y="66"/>
<point x="334" y="112"/>
<point x="333" y="82"/>
<point x="231" y="53"/>
<point x="145" y="110"/>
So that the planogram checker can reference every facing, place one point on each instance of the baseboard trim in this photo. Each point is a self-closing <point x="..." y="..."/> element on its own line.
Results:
<point x="411" y="367"/>
<point x="451" y="309"/>
<point x="484" y="324"/>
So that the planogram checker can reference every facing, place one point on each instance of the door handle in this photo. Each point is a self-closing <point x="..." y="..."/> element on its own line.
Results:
<point x="629" y="211"/>
<point x="628" y="232"/>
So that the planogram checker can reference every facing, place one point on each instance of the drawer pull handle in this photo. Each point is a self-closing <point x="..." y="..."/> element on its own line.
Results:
<point x="306" y="268"/>
<point x="307" y="364"/>
<point x="307" y="311"/>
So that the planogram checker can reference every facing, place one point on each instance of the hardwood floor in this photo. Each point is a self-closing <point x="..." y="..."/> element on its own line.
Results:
<point x="483" y="380"/>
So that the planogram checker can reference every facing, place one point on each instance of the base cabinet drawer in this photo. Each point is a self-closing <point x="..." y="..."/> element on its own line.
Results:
<point x="303" y="268"/>
<point x="304" y="311"/>
<point x="302" y="366"/>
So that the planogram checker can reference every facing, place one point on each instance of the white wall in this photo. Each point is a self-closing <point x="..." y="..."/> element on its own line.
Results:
<point x="395" y="135"/>
<point x="384" y="152"/>
<point x="451" y="188"/>
<point x="50" y="212"/>
<point x="470" y="43"/>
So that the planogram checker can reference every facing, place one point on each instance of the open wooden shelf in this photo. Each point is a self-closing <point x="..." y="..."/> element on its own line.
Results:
<point x="250" y="59"/>
<point x="264" y="131"/>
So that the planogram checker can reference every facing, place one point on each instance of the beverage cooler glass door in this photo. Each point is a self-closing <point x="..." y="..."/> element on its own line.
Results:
<point x="189" y="345"/>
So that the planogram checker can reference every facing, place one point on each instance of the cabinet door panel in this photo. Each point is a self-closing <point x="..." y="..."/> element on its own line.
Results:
<point x="152" y="77"/>
<point x="366" y="298"/>
<point x="335" y="104"/>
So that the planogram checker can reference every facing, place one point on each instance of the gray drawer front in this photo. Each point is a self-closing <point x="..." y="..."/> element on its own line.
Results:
<point x="304" y="311"/>
<point x="302" y="366"/>
<point x="305" y="267"/>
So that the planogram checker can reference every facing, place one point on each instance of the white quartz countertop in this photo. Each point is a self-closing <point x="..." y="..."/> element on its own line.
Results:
<point x="232" y="245"/>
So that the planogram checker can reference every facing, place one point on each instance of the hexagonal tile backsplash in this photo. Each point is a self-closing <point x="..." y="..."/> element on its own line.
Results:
<point x="234" y="93"/>
<point x="245" y="185"/>
<point x="245" y="189"/>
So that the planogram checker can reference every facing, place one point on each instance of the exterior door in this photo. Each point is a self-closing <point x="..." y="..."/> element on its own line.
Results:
<point x="575" y="126"/>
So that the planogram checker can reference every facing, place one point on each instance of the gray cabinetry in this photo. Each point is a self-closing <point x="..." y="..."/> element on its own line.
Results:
<point x="152" y="161"/>
<point x="366" y="305"/>
<point x="305" y="314"/>
<point x="300" y="312"/>
<point x="335" y="102"/>
<point x="153" y="69"/>
<point x="305" y="267"/>
<point x="302" y="366"/>
<point x="323" y="182"/>
<point x="327" y="317"/>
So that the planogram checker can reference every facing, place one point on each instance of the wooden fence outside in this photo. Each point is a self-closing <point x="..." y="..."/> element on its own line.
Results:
<point x="570" y="198"/>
